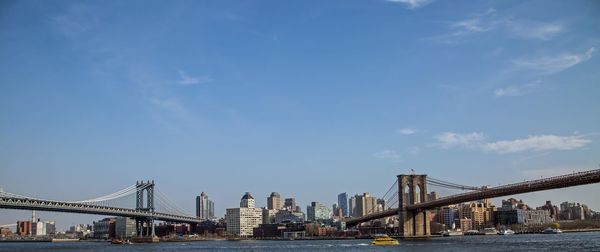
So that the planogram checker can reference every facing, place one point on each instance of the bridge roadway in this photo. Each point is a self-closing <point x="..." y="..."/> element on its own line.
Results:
<point x="58" y="206"/>
<point x="574" y="179"/>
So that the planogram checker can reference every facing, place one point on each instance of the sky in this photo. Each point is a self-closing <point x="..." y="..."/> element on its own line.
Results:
<point x="305" y="98"/>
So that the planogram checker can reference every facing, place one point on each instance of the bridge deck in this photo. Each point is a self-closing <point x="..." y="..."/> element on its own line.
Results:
<point x="575" y="179"/>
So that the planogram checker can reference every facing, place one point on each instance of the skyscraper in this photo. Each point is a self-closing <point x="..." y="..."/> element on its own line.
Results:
<point x="343" y="203"/>
<point x="205" y="209"/>
<point x="352" y="206"/>
<point x="274" y="201"/>
<point x="290" y="204"/>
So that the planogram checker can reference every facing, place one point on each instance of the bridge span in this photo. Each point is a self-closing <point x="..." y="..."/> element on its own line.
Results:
<point x="405" y="206"/>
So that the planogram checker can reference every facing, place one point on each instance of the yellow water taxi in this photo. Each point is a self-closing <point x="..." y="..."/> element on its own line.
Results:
<point x="384" y="240"/>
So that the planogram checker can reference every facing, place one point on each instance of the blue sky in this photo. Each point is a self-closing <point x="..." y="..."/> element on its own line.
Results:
<point x="306" y="98"/>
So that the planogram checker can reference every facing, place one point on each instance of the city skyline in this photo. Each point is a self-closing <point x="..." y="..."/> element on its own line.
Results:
<point x="273" y="96"/>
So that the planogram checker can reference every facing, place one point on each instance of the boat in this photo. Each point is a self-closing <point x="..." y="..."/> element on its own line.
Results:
<point x="451" y="233"/>
<point x="472" y="232"/>
<point x="506" y="232"/>
<point x="64" y="239"/>
<point x="490" y="231"/>
<point x="117" y="241"/>
<point x="551" y="231"/>
<point x="384" y="240"/>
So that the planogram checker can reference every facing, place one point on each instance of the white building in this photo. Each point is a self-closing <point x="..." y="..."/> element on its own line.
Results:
<point x="241" y="221"/>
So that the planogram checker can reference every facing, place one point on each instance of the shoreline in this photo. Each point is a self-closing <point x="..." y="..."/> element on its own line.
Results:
<point x="274" y="239"/>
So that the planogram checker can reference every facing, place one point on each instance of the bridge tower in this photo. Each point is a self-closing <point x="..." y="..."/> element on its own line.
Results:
<point x="412" y="189"/>
<point x="144" y="226"/>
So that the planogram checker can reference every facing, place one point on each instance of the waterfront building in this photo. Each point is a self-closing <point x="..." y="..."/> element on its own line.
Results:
<point x="290" y="204"/>
<point x="480" y="213"/>
<point x="574" y="211"/>
<point x="285" y="215"/>
<point x="269" y="215"/>
<point x="41" y="228"/>
<point x="241" y="221"/>
<point x="448" y="216"/>
<point x="554" y="210"/>
<point x="317" y="211"/>
<point x="24" y="228"/>
<point x="466" y="224"/>
<point x="343" y="203"/>
<point x="125" y="227"/>
<point x="205" y="208"/>
<point x="104" y="229"/>
<point x="274" y="201"/>
<point x="517" y="212"/>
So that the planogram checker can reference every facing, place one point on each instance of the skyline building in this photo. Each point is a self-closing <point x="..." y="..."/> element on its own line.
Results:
<point x="317" y="211"/>
<point x="274" y="201"/>
<point x="290" y="204"/>
<point x="343" y="203"/>
<point x="241" y="221"/>
<point x="205" y="208"/>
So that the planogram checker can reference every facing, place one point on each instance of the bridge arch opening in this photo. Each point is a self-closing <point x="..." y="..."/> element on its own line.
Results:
<point x="418" y="191"/>
<point x="406" y="193"/>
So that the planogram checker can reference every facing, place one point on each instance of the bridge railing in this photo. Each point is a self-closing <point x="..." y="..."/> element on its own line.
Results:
<point x="529" y="182"/>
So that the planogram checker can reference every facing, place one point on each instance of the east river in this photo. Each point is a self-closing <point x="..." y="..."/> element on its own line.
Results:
<point x="545" y="242"/>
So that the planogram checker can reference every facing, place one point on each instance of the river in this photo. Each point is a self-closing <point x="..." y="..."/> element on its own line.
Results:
<point x="556" y="242"/>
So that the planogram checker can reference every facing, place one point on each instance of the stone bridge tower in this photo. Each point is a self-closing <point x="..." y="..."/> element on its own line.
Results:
<point x="412" y="189"/>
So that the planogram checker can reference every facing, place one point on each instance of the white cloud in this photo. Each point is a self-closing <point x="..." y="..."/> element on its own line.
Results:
<point x="517" y="90"/>
<point x="475" y="140"/>
<point x="554" y="64"/>
<point x="412" y="4"/>
<point x="406" y="131"/>
<point x="450" y="139"/>
<point x="188" y="80"/>
<point x="489" y="20"/>
<point x="388" y="155"/>
<point x="537" y="143"/>
<point x="170" y="104"/>
<point x="533" y="30"/>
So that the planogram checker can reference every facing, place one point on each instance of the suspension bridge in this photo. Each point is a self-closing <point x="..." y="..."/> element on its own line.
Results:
<point x="408" y="199"/>
<point x="147" y="200"/>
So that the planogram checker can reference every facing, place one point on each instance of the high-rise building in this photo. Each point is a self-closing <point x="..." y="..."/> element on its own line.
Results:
<point x="290" y="204"/>
<point x="241" y="221"/>
<point x="205" y="208"/>
<point x="352" y="206"/>
<point x="274" y="201"/>
<point x="317" y="211"/>
<point x="343" y="203"/>
<point x="365" y="204"/>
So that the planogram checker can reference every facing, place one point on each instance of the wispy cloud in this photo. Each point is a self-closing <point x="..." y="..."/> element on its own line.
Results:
<point x="533" y="30"/>
<point x="447" y="140"/>
<point x="406" y="131"/>
<point x="517" y="90"/>
<point x="412" y="4"/>
<point x="554" y="64"/>
<point x="170" y="104"/>
<point x="537" y="143"/>
<point x="476" y="140"/>
<point x="490" y="20"/>
<point x="189" y="80"/>
<point x="391" y="155"/>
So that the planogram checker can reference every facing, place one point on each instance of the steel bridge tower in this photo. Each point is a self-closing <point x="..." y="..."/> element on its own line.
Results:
<point x="412" y="189"/>
<point x="144" y="226"/>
